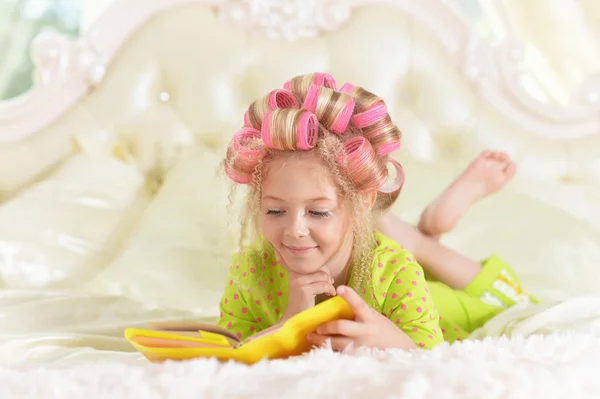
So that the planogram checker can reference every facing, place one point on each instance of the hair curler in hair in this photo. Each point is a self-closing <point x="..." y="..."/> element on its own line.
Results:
<point x="290" y="129"/>
<point x="377" y="127"/>
<point x="310" y="101"/>
<point x="299" y="85"/>
<point x="244" y="155"/>
<point x="362" y="165"/>
<point x="333" y="109"/>
<point x="376" y="112"/>
<point x="398" y="182"/>
<point x="276" y="99"/>
<point x="346" y="88"/>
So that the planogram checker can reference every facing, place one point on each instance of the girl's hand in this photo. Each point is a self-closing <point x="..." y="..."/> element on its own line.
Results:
<point x="369" y="328"/>
<point x="303" y="288"/>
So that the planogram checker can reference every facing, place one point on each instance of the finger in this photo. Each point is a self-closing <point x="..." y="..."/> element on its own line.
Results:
<point x="316" y="277"/>
<point x="327" y="271"/>
<point x="316" y="339"/>
<point x="337" y="343"/>
<point x="347" y="328"/>
<point x="361" y="310"/>
<point x="341" y="343"/>
<point x="321" y="288"/>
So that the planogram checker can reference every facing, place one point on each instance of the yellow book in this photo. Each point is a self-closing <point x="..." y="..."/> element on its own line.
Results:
<point x="181" y="341"/>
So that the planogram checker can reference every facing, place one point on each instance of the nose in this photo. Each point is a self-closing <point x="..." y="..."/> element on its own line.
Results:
<point x="297" y="227"/>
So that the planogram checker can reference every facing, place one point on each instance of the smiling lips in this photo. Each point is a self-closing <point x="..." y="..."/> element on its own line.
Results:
<point x="299" y="250"/>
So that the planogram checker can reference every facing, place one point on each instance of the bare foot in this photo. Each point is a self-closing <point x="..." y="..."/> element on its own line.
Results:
<point x="488" y="173"/>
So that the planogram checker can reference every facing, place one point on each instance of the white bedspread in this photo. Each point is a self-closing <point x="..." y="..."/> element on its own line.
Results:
<point x="557" y="366"/>
<point x="73" y="347"/>
<point x="580" y="314"/>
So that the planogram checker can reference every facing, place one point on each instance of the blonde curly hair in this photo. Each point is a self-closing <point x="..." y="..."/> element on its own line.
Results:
<point x="349" y="129"/>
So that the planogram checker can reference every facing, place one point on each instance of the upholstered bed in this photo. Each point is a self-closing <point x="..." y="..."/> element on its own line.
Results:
<point x="113" y="214"/>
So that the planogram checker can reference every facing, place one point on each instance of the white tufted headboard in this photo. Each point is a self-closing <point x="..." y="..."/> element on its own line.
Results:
<point x="161" y="75"/>
<point x="188" y="67"/>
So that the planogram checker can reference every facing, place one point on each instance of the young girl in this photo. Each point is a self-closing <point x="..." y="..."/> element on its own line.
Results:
<point x="314" y="158"/>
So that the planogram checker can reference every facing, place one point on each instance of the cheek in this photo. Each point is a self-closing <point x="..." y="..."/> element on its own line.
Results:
<point x="331" y="234"/>
<point x="270" y="229"/>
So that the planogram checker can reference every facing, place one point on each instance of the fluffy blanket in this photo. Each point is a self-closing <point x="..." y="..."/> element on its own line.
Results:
<point x="543" y="351"/>
<point x="556" y="366"/>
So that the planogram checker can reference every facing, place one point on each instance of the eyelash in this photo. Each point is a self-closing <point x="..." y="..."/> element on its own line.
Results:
<point x="314" y="213"/>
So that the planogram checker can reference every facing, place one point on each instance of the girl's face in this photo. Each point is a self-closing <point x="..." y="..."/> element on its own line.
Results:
<point x="303" y="217"/>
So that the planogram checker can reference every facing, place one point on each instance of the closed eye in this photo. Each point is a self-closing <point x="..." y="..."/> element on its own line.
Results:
<point x="274" y="212"/>
<point x="320" y="214"/>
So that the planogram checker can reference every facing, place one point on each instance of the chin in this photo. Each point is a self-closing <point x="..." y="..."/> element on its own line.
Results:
<point x="305" y="266"/>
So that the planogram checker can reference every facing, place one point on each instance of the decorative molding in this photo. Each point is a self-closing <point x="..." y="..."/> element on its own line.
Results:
<point x="288" y="20"/>
<point x="494" y="73"/>
<point x="66" y="70"/>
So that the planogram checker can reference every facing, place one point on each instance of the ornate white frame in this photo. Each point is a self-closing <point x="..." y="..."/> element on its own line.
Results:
<point x="66" y="70"/>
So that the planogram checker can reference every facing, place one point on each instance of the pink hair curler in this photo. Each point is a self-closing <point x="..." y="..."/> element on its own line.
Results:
<point x="358" y="156"/>
<point x="243" y="135"/>
<point x="238" y="177"/>
<point x="353" y="149"/>
<point x="372" y="115"/>
<point x="346" y="88"/>
<point x="310" y="101"/>
<point x="398" y="181"/>
<point x="341" y="122"/>
<point x="244" y="159"/>
<point x="307" y="131"/>
<point x="282" y="99"/>
<point x="387" y="148"/>
<point x="320" y="79"/>
<point x="325" y="79"/>
<point x="265" y="130"/>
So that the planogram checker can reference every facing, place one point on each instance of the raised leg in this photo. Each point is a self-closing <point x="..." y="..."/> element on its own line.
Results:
<point x="488" y="173"/>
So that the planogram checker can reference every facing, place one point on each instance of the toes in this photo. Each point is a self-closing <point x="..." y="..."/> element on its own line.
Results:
<point x="486" y="153"/>
<point x="499" y="156"/>
<point x="510" y="169"/>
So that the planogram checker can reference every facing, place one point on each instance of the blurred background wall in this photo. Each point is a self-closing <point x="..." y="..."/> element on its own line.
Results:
<point x="561" y="37"/>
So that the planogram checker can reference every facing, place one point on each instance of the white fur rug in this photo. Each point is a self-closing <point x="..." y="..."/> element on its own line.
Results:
<point x="555" y="366"/>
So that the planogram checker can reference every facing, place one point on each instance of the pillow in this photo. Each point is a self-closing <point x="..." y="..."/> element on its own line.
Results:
<point x="62" y="230"/>
<point x="179" y="256"/>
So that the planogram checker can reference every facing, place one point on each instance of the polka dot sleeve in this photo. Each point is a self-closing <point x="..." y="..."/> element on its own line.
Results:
<point x="235" y="313"/>
<point x="408" y="303"/>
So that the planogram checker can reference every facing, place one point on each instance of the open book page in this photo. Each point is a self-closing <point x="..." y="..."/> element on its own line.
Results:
<point x="192" y="327"/>
<point x="263" y="333"/>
